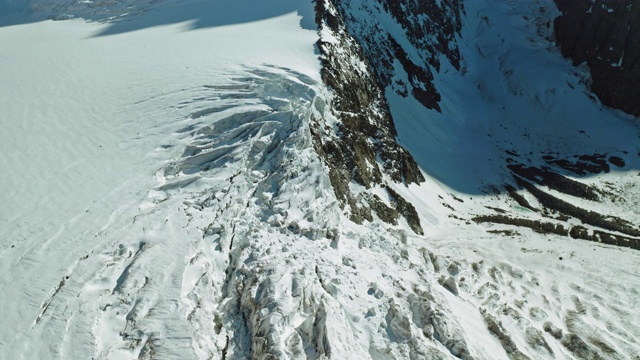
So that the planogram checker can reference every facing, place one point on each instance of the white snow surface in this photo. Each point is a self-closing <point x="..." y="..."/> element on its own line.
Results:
<point x="162" y="198"/>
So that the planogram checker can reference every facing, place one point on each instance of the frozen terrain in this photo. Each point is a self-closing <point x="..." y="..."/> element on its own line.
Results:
<point x="164" y="198"/>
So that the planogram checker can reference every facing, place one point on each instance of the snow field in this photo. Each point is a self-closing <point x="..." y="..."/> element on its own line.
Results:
<point x="165" y="200"/>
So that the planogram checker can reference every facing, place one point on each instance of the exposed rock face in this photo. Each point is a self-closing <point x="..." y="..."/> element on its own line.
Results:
<point x="360" y="146"/>
<point x="606" y="35"/>
<point x="424" y="34"/>
<point x="363" y="59"/>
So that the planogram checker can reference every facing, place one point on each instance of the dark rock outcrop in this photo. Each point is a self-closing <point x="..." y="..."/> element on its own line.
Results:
<point x="361" y="147"/>
<point x="606" y="35"/>
<point x="360" y="62"/>
<point x="426" y="30"/>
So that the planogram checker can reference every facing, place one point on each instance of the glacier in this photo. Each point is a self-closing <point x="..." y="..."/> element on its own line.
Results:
<point x="208" y="179"/>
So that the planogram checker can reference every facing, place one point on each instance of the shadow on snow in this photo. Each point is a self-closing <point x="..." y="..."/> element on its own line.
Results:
<point x="132" y="15"/>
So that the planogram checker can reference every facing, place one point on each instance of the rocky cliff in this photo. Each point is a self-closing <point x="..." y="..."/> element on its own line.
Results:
<point x="410" y="36"/>
<point x="605" y="35"/>
<point x="361" y="146"/>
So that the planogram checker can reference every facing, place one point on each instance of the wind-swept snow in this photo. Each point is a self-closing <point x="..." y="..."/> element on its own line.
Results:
<point x="86" y="123"/>
<point x="163" y="199"/>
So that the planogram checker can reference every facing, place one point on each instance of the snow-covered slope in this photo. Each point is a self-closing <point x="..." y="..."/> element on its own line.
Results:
<point x="221" y="180"/>
<point x="515" y="140"/>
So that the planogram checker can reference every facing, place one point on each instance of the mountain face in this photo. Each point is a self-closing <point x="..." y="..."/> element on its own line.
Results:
<point x="605" y="35"/>
<point x="323" y="179"/>
<point x="421" y="35"/>
<point x="430" y="32"/>
<point x="408" y="45"/>
<point x="362" y="146"/>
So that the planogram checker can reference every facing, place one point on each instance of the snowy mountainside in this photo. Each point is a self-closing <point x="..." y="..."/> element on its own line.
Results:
<point x="275" y="192"/>
<point x="604" y="35"/>
<point x="511" y="128"/>
<point x="100" y="10"/>
<point x="516" y="123"/>
<point x="360" y="151"/>
<point x="415" y="36"/>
